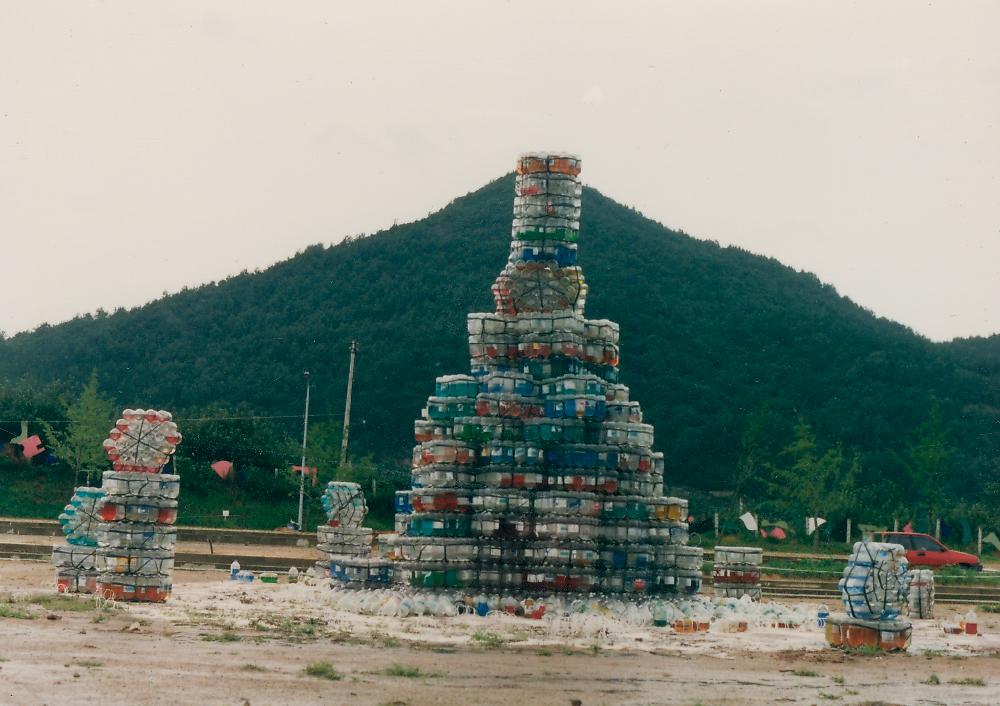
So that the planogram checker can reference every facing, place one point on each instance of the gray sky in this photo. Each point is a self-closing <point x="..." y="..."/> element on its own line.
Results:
<point x="148" y="146"/>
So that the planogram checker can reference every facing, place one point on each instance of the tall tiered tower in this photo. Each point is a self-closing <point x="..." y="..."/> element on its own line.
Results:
<point x="535" y="473"/>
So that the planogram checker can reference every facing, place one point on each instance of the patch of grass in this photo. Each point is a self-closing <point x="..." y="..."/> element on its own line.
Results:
<point x="384" y="639"/>
<point x="829" y="697"/>
<point x="250" y="667"/>
<point x="990" y="608"/>
<point x="968" y="681"/>
<point x="88" y="663"/>
<point x="402" y="670"/>
<point x="323" y="670"/>
<point x="594" y="648"/>
<point x="568" y="651"/>
<point x="837" y="679"/>
<point x="60" y="602"/>
<point x="544" y="653"/>
<point x="933" y="679"/>
<point x="288" y="627"/>
<point x="12" y="611"/>
<point x="804" y="673"/>
<point x="224" y="636"/>
<point x="488" y="640"/>
<point x="864" y="651"/>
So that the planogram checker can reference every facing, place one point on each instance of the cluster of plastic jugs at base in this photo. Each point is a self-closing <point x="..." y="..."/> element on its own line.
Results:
<point x="967" y="624"/>
<point x="690" y="615"/>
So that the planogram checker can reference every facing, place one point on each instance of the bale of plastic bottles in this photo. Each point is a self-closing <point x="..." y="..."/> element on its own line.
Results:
<point x="344" y="504"/>
<point x="856" y="633"/>
<point x="921" y="593"/>
<point x="874" y="583"/>
<point x="346" y="557"/>
<point x="736" y="572"/>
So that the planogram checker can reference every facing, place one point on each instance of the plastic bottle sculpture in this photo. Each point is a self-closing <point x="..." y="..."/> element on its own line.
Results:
<point x="76" y="561"/>
<point x="343" y="544"/>
<point x="874" y="592"/>
<point x="535" y="473"/>
<point x="137" y="538"/>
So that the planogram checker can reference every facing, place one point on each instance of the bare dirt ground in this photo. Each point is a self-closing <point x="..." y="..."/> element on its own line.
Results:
<point x="219" y="642"/>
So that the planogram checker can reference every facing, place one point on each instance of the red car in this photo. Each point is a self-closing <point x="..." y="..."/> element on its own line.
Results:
<point x="924" y="550"/>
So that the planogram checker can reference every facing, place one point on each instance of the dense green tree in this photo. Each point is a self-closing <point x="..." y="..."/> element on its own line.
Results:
<point x="88" y="419"/>
<point x="757" y="448"/>
<point x="927" y="463"/>
<point x="815" y="484"/>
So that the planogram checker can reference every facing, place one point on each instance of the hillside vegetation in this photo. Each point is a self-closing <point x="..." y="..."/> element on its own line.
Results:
<point x="726" y="350"/>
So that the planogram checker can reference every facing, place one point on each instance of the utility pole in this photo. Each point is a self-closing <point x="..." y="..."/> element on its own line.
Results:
<point x="347" y="407"/>
<point x="305" y="435"/>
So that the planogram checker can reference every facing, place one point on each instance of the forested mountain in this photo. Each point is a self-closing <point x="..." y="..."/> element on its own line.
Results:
<point x="725" y="350"/>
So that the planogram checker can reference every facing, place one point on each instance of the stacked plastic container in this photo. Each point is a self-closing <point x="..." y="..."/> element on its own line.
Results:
<point x="736" y="572"/>
<point x="137" y="538"/>
<point x="76" y="561"/>
<point x="343" y="544"/>
<point x="535" y="472"/>
<point x="874" y="592"/>
<point x="921" y="593"/>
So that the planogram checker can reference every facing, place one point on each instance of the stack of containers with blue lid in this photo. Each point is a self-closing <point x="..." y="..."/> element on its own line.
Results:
<point x="343" y="544"/>
<point x="137" y="538"/>
<point x="536" y="472"/>
<point x="874" y="593"/>
<point x="76" y="561"/>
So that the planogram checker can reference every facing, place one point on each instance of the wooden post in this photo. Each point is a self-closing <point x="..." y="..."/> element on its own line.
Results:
<point x="848" y="530"/>
<point x="347" y="406"/>
<point x="937" y="528"/>
<point x="979" y="541"/>
<point x="717" y="526"/>
<point x="895" y="524"/>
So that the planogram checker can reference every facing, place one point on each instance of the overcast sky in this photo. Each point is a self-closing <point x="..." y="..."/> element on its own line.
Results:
<point x="147" y="146"/>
